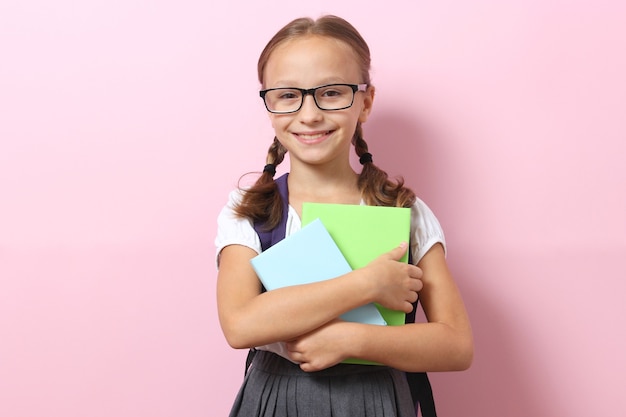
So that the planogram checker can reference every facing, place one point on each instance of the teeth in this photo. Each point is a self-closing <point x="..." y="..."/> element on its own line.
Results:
<point x="312" y="137"/>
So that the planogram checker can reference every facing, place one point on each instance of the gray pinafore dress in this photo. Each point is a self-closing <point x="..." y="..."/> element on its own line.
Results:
<point x="277" y="387"/>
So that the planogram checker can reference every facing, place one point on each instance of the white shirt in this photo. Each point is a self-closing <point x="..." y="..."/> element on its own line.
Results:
<point x="232" y="230"/>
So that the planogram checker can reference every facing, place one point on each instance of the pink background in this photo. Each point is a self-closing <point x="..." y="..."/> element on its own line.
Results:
<point x="123" y="125"/>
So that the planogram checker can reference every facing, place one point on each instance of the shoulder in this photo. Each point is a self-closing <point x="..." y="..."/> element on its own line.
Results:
<point x="426" y="231"/>
<point x="235" y="230"/>
<point x="423" y="216"/>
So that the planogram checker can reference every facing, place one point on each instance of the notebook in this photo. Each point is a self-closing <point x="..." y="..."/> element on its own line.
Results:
<point x="363" y="233"/>
<point x="307" y="256"/>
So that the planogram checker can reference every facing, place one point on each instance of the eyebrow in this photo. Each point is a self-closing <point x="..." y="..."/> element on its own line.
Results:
<point x="325" y="81"/>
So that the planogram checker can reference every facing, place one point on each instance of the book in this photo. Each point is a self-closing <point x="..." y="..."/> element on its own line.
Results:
<point x="307" y="256"/>
<point x="363" y="233"/>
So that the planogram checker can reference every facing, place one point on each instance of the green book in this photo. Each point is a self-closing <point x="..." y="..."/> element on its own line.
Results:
<point x="363" y="233"/>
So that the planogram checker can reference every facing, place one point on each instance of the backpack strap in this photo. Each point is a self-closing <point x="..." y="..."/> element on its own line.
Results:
<point x="421" y="390"/>
<point x="270" y="237"/>
<point x="419" y="384"/>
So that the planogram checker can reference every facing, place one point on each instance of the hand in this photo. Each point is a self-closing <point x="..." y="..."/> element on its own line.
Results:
<point x="396" y="283"/>
<point x="323" y="347"/>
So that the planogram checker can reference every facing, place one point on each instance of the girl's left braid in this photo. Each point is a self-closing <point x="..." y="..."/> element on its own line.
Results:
<point x="360" y="146"/>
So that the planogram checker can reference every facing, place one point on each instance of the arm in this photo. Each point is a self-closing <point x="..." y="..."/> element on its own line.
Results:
<point x="251" y="318"/>
<point x="443" y="344"/>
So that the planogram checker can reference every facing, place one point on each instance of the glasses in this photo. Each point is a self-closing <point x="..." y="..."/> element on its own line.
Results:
<point x="326" y="97"/>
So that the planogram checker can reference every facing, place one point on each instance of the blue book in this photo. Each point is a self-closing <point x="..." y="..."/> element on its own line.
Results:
<point x="307" y="256"/>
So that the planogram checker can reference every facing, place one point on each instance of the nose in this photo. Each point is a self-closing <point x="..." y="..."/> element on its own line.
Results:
<point x="309" y="110"/>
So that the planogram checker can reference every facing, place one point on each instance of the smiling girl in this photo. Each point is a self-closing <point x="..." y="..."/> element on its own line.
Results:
<point x="316" y="87"/>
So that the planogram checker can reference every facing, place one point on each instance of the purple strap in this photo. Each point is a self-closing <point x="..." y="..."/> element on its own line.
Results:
<point x="271" y="237"/>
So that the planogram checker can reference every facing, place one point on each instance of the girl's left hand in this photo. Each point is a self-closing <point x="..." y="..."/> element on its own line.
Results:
<point x="323" y="347"/>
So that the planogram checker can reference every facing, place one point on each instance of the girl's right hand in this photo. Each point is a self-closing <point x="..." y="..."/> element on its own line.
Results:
<point x="395" y="284"/>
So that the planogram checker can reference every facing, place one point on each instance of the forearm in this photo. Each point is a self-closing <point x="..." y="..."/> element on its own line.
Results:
<point x="251" y="318"/>
<point x="286" y="313"/>
<point x="416" y="347"/>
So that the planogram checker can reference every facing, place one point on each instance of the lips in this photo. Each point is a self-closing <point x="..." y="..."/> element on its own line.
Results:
<point x="312" y="136"/>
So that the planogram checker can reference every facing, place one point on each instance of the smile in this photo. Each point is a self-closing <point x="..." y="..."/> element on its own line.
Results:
<point x="313" y="136"/>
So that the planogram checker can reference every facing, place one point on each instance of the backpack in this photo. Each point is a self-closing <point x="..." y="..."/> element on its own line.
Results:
<point x="419" y="384"/>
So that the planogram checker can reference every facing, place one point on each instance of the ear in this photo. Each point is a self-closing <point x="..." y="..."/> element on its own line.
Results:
<point x="368" y="102"/>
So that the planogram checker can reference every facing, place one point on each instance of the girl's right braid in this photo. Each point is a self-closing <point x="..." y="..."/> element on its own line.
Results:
<point x="271" y="205"/>
<point x="275" y="155"/>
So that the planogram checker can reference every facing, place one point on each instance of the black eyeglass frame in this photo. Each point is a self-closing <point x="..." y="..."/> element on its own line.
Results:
<point x="311" y="91"/>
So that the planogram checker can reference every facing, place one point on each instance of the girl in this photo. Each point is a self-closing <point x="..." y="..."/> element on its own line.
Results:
<point x="317" y="91"/>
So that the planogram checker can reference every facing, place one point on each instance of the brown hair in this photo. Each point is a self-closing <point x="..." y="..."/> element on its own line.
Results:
<point x="262" y="202"/>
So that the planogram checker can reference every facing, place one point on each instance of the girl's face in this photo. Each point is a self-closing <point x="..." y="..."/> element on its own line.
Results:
<point x="311" y="135"/>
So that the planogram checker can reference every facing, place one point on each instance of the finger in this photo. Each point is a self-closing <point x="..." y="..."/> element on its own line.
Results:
<point x="408" y="307"/>
<point x="291" y="347"/>
<point x="416" y="285"/>
<point x="416" y="272"/>
<point x="398" y="252"/>
<point x="295" y="356"/>
<point x="411" y="298"/>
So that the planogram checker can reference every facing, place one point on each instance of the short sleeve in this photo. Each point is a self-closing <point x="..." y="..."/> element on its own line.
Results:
<point x="234" y="230"/>
<point x="425" y="231"/>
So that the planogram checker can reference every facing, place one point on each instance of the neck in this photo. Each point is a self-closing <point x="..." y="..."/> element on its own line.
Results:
<point x="323" y="185"/>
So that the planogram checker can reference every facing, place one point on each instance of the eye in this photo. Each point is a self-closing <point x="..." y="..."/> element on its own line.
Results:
<point x="332" y="92"/>
<point x="287" y="94"/>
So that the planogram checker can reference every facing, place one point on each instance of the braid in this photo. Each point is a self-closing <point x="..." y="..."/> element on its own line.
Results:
<point x="376" y="187"/>
<point x="360" y="146"/>
<point x="276" y="152"/>
<point x="262" y="202"/>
